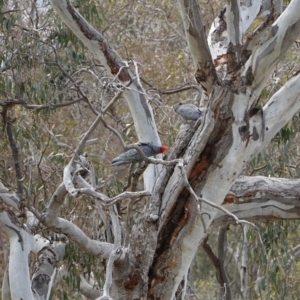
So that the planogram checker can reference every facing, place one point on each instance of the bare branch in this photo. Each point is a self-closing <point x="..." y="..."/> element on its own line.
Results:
<point x="9" y="197"/>
<point x="15" y="153"/>
<point x="186" y="87"/>
<point x="273" y="47"/>
<point x="280" y="109"/>
<point x="105" y="201"/>
<point x="261" y="198"/>
<point x="20" y="246"/>
<point x="221" y="208"/>
<point x="233" y="21"/>
<point x="48" y="105"/>
<point x="89" y="290"/>
<point x="195" y="33"/>
<point x="77" y="236"/>
<point x="115" y="254"/>
<point x="218" y="262"/>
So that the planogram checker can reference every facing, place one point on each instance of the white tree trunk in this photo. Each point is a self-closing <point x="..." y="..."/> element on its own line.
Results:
<point x="249" y="132"/>
<point x="20" y="241"/>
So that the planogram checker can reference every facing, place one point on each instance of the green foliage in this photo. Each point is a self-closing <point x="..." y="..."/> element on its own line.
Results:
<point x="278" y="277"/>
<point x="81" y="263"/>
<point x="7" y="23"/>
<point x="46" y="65"/>
<point x="286" y="133"/>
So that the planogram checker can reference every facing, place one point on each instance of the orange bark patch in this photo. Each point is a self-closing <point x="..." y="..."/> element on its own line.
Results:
<point x="113" y="65"/>
<point x="182" y="222"/>
<point x="2" y="205"/>
<point x="229" y="199"/>
<point x="220" y="60"/>
<point x="132" y="283"/>
<point x="199" y="167"/>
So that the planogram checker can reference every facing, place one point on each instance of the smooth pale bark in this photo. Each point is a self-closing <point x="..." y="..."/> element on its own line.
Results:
<point x="89" y="290"/>
<point x="9" y="197"/>
<point x="135" y="95"/>
<point x="240" y="153"/>
<point x="20" y="242"/>
<point x="272" y="48"/>
<point x="218" y="36"/>
<point x="5" y="291"/>
<point x="220" y="164"/>
<point x="261" y="198"/>
<point x="51" y="219"/>
<point x="46" y="268"/>
<point x="234" y="20"/>
<point x="196" y="38"/>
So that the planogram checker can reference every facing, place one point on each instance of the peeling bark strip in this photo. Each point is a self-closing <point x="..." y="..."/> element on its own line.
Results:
<point x="42" y="279"/>
<point x="112" y="62"/>
<point x="112" y="59"/>
<point x="167" y="260"/>
<point x="144" y="101"/>
<point x="261" y="199"/>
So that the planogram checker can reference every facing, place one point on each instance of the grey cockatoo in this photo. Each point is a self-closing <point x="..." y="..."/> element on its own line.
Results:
<point x="189" y="112"/>
<point x="133" y="155"/>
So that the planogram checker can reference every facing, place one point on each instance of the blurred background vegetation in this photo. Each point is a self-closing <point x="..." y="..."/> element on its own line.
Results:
<point x="50" y="88"/>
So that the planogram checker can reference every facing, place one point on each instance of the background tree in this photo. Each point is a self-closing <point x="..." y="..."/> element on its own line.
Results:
<point x="70" y="104"/>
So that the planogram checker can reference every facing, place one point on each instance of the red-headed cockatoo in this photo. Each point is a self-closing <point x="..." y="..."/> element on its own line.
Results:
<point x="133" y="155"/>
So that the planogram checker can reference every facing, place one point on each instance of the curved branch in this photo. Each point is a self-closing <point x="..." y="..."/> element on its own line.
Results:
<point x="261" y="198"/>
<point x="9" y="197"/>
<point x="77" y="236"/>
<point x="272" y="47"/>
<point x="20" y="246"/>
<point x="280" y="109"/>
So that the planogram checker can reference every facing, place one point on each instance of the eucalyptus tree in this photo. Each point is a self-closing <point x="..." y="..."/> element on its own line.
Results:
<point x="148" y="255"/>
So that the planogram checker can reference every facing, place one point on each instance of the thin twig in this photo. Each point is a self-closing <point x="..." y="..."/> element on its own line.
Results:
<point x="200" y="199"/>
<point x="258" y="169"/>
<point x="116" y="253"/>
<point x="48" y="105"/>
<point x="225" y="290"/>
<point x="15" y="154"/>
<point x="172" y="91"/>
<point x="137" y="174"/>
<point x="114" y="99"/>
<point x="39" y="169"/>
<point x="87" y="189"/>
